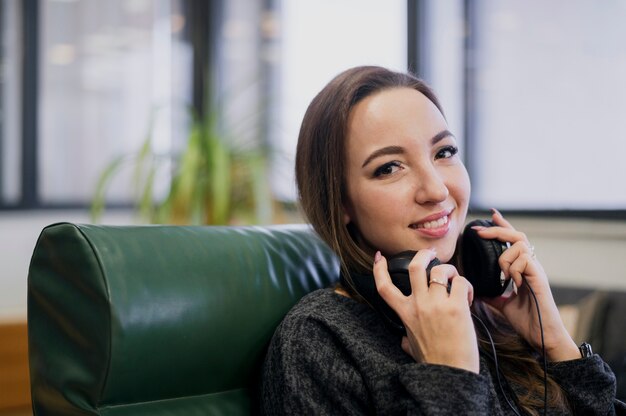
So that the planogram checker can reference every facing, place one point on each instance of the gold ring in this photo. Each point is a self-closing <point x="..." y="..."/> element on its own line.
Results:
<point x="440" y="282"/>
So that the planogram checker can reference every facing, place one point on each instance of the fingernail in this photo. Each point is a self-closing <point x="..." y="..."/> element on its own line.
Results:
<point x="377" y="257"/>
<point x="478" y="227"/>
<point x="495" y="211"/>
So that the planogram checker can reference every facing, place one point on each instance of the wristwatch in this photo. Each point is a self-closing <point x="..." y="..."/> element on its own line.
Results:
<point x="585" y="350"/>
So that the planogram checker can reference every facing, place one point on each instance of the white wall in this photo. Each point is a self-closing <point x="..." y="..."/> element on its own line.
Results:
<point x="573" y="252"/>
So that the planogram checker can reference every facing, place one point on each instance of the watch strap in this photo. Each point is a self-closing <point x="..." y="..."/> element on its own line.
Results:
<point x="585" y="350"/>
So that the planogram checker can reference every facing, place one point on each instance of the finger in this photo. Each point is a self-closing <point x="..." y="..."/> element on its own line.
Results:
<point x="440" y="277"/>
<point x="499" y="219"/>
<point x="462" y="289"/>
<point x="385" y="287"/>
<point x="501" y="233"/>
<point x="502" y="230"/>
<point x="510" y="255"/>
<point x="524" y="265"/>
<point x="417" y="270"/>
<point x="516" y="271"/>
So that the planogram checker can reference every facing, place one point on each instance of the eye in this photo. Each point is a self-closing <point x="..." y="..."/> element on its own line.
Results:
<point x="387" y="169"/>
<point x="447" y="152"/>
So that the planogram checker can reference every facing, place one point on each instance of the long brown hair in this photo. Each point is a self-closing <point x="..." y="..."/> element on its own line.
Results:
<point x="321" y="182"/>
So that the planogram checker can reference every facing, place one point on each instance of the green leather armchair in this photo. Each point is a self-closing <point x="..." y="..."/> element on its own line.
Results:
<point x="155" y="320"/>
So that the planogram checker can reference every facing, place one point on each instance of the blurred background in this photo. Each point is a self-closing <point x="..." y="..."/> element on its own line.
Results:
<point x="187" y="112"/>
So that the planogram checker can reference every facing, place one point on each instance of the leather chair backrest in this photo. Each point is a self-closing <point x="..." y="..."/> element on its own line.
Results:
<point x="155" y="320"/>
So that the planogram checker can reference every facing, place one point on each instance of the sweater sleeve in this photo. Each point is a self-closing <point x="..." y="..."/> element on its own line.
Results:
<point x="430" y="386"/>
<point x="589" y="384"/>
<point x="306" y="373"/>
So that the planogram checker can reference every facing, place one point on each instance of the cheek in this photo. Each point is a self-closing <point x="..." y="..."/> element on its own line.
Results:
<point x="460" y="188"/>
<point x="378" y="206"/>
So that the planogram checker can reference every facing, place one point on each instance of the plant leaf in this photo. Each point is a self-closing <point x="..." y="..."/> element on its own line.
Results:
<point x="98" y="201"/>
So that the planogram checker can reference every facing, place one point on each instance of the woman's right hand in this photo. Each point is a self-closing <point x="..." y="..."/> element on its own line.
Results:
<point x="438" y="324"/>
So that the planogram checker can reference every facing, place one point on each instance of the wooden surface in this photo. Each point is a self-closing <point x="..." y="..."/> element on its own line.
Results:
<point x="14" y="379"/>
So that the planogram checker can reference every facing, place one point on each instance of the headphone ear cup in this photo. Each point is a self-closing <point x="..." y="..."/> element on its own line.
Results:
<point x="480" y="261"/>
<point x="398" y="268"/>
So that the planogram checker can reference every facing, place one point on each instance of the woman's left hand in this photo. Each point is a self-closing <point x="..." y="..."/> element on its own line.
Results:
<point x="520" y="264"/>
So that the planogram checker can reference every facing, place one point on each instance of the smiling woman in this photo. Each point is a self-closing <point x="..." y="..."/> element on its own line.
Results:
<point x="378" y="173"/>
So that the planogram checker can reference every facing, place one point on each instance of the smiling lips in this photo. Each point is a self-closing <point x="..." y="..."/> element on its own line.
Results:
<point x="434" y="226"/>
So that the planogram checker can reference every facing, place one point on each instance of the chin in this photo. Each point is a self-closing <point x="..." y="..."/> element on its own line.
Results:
<point x="446" y="252"/>
<point x="446" y="258"/>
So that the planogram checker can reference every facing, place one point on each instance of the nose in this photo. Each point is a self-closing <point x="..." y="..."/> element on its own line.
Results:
<point x="431" y="187"/>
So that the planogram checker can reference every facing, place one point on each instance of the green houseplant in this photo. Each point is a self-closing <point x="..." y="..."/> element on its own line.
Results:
<point x="213" y="181"/>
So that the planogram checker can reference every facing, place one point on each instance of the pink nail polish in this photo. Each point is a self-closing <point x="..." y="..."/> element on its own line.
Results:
<point x="377" y="257"/>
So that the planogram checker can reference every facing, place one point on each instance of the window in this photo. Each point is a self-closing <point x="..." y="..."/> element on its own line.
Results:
<point x="111" y="73"/>
<point x="98" y="79"/>
<point x="548" y="100"/>
<point x="317" y="40"/>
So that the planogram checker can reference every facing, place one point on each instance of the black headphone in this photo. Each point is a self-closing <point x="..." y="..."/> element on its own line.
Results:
<point x="479" y="265"/>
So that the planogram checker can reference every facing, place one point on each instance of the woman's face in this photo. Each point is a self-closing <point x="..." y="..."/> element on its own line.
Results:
<point x="407" y="187"/>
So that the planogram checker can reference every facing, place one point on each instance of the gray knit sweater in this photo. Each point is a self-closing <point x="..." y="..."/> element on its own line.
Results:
<point x="333" y="356"/>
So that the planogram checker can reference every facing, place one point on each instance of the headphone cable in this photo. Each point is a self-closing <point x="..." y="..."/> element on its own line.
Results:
<point x="543" y="354"/>
<point x="543" y="349"/>
<point x="495" y="361"/>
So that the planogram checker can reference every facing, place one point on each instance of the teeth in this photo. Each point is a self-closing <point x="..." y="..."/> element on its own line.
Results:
<point x="434" y="224"/>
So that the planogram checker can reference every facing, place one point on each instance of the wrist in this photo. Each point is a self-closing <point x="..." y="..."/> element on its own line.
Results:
<point x="564" y="352"/>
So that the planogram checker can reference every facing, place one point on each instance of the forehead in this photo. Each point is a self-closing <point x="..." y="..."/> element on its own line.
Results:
<point x="395" y="114"/>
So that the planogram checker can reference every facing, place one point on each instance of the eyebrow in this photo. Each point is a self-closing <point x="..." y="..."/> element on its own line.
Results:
<point x="398" y="150"/>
